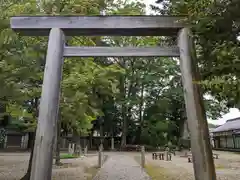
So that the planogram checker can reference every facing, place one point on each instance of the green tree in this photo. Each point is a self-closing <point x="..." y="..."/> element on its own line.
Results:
<point x="215" y="25"/>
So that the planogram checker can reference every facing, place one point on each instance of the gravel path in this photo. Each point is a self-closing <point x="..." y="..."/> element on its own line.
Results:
<point x="121" y="167"/>
<point x="14" y="165"/>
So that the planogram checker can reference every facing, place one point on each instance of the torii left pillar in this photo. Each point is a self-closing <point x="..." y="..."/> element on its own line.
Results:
<point x="49" y="105"/>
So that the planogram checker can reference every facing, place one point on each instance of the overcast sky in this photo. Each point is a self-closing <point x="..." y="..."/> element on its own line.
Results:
<point x="234" y="113"/>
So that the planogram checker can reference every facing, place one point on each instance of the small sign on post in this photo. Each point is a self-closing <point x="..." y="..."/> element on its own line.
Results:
<point x="142" y="156"/>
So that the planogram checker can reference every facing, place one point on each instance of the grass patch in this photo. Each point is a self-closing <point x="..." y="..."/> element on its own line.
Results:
<point x="219" y="166"/>
<point x="156" y="172"/>
<point x="68" y="156"/>
<point x="91" y="172"/>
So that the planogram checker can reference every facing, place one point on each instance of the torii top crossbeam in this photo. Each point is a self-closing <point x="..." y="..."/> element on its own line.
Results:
<point x="98" y="25"/>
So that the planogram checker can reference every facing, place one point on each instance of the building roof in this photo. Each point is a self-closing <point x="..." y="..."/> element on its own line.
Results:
<point x="236" y="132"/>
<point x="231" y="124"/>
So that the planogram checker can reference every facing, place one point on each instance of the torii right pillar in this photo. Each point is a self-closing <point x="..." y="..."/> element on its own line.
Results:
<point x="203" y="163"/>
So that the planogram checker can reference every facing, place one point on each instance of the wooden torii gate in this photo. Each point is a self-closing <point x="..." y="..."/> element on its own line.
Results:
<point x="57" y="27"/>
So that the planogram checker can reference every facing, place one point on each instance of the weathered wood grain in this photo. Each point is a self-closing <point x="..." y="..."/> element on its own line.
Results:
<point x="48" y="111"/>
<point x="196" y="117"/>
<point x="120" y="51"/>
<point x="97" y="25"/>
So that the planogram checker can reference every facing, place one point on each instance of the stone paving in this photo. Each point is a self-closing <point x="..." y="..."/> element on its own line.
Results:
<point x="121" y="167"/>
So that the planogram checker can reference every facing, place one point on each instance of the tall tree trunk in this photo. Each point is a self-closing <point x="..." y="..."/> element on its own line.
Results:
<point x="32" y="141"/>
<point x="139" y="130"/>
<point x="124" y="110"/>
<point x="4" y="117"/>
<point x="77" y="140"/>
<point x="124" y="126"/>
<point x="91" y="139"/>
<point x="101" y="133"/>
<point x="32" y="137"/>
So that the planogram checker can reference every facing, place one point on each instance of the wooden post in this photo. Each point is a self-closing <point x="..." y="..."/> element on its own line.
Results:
<point x="166" y="154"/>
<point x="73" y="148"/>
<point x="112" y="143"/>
<point x="100" y="156"/>
<point x="78" y="151"/>
<point x="69" y="148"/>
<point x="85" y="146"/>
<point x="5" y="141"/>
<point x="196" y="117"/>
<point x="142" y="156"/>
<point x="86" y="150"/>
<point x="49" y="105"/>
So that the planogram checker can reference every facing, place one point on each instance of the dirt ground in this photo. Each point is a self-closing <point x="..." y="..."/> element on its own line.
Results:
<point x="227" y="167"/>
<point x="14" y="165"/>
